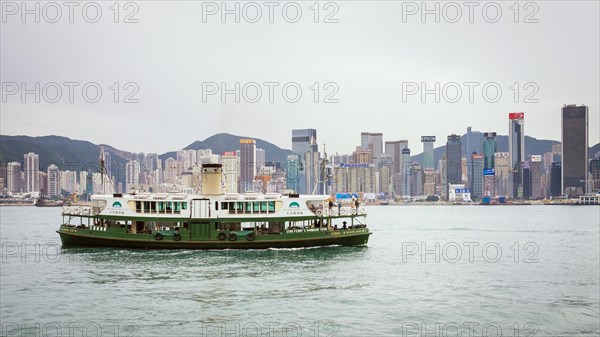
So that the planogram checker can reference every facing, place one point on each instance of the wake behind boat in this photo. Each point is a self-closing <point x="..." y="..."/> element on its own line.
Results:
<point x="213" y="220"/>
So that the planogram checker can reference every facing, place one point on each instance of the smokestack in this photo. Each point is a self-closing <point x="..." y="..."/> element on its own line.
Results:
<point x="211" y="179"/>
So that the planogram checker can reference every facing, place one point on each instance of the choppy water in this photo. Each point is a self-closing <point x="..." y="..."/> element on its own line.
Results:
<point x="434" y="271"/>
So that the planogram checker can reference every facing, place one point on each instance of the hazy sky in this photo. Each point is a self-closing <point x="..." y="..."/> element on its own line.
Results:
<point x="371" y="57"/>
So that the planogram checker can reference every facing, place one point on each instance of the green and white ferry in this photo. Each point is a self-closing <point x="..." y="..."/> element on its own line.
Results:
<point x="213" y="220"/>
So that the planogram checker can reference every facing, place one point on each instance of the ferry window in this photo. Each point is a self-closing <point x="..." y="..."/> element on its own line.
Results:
<point x="153" y="207"/>
<point x="224" y="205"/>
<point x="255" y="207"/>
<point x="271" y="206"/>
<point x="161" y="207"/>
<point x="263" y="207"/>
<point x="216" y="205"/>
<point x="138" y="207"/>
<point x="177" y="207"/>
<point x="248" y="207"/>
<point x="146" y="206"/>
<point x="240" y="206"/>
<point x="169" y="206"/>
<point x="184" y="205"/>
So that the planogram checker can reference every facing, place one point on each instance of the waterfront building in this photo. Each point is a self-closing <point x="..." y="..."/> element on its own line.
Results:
<point x="443" y="173"/>
<point x="555" y="179"/>
<point x="429" y="184"/>
<point x="454" y="163"/>
<point x="516" y="150"/>
<point x="260" y="159"/>
<point x="476" y="176"/>
<point x="53" y="177"/>
<point x="385" y="168"/>
<point x="574" y="150"/>
<point x="373" y="142"/>
<point x="595" y="174"/>
<point x="13" y="177"/>
<point x="502" y="174"/>
<point x="394" y="150"/>
<point x="231" y="171"/>
<point x="406" y="174"/>
<point x="428" y="151"/>
<point x="292" y="172"/>
<point x="32" y="167"/>
<point x="132" y="174"/>
<point x="304" y="140"/>
<point x="247" y="165"/>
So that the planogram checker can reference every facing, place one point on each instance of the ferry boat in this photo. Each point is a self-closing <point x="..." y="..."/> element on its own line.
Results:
<point x="213" y="220"/>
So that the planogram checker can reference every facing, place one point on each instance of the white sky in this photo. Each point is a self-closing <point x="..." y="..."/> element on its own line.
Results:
<point x="369" y="53"/>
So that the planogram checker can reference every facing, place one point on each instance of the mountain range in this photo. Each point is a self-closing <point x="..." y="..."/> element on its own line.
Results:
<point x="72" y="154"/>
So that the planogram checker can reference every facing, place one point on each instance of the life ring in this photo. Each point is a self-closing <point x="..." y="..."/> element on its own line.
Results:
<point x="232" y="237"/>
<point x="344" y="211"/>
<point x="319" y="212"/>
<point x="354" y="211"/>
<point x="251" y="236"/>
<point x="332" y="212"/>
<point x="221" y="236"/>
<point x="176" y="236"/>
<point x="158" y="236"/>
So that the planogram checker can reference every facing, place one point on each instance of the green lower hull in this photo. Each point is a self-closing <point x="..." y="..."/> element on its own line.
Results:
<point x="84" y="237"/>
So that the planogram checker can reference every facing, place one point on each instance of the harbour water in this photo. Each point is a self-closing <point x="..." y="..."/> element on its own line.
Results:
<point x="427" y="271"/>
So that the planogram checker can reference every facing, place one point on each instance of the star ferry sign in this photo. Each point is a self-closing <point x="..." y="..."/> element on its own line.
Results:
<point x="516" y="115"/>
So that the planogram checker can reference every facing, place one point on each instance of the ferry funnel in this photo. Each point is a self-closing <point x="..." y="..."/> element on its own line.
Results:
<point x="211" y="179"/>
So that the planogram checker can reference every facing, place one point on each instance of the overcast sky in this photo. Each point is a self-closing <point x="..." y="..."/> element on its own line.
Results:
<point x="373" y="55"/>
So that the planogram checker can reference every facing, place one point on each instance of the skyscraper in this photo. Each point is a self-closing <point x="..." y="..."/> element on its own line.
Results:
<point x="260" y="158"/>
<point x="555" y="179"/>
<point x="454" y="161"/>
<point x="53" y="188"/>
<point x="32" y="167"/>
<point x="595" y="173"/>
<point x="304" y="140"/>
<point x="292" y="172"/>
<point x="471" y="143"/>
<point x="231" y="171"/>
<point x="427" y="151"/>
<point x="13" y="177"/>
<point x="516" y="150"/>
<point x="574" y="149"/>
<point x="490" y="147"/>
<point x="406" y="173"/>
<point x="373" y="142"/>
<point x="247" y="164"/>
<point x="476" y="176"/>
<point x="502" y="173"/>
<point x="132" y="174"/>
<point x="394" y="150"/>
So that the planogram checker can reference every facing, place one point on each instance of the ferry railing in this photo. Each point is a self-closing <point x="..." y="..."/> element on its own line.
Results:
<point x="343" y="211"/>
<point x="78" y="210"/>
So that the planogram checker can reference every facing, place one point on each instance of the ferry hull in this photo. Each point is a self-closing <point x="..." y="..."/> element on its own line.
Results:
<point x="342" y="238"/>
